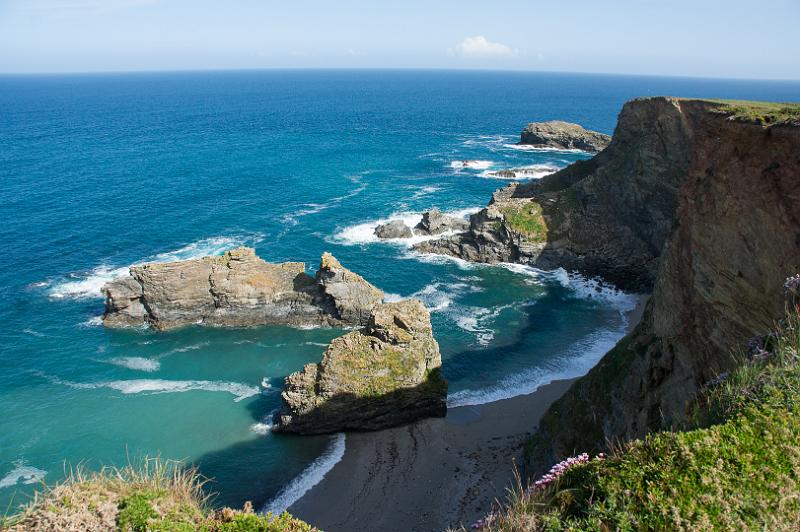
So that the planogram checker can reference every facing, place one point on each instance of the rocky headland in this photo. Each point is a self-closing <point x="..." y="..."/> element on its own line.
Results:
<point x="239" y="289"/>
<point x="383" y="375"/>
<point x="563" y="136"/>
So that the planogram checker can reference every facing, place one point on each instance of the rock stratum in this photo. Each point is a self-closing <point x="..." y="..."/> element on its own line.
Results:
<point x="734" y="237"/>
<point x="563" y="136"/>
<point x="386" y="374"/>
<point x="238" y="289"/>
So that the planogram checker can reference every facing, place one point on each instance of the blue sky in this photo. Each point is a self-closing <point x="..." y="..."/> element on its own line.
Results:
<point x="708" y="38"/>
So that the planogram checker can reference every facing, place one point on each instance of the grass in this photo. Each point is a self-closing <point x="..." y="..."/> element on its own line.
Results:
<point x="735" y="467"/>
<point x="765" y="113"/>
<point x="527" y="220"/>
<point x="154" y="495"/>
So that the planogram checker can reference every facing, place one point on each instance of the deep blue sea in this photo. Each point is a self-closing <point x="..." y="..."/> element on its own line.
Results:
<point x="99" y="172"/>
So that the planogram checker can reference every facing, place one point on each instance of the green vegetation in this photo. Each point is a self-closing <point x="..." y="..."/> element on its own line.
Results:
<point x="736" y="467"/>
<point x="765" y="113"/>
<point x="154" y="496"/>
<point x="527" y="220"/>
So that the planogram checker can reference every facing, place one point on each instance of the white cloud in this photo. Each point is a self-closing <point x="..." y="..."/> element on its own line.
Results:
<point x="480" y="46"/>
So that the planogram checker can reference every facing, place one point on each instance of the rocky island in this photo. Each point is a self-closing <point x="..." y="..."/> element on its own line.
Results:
<point x="560" y="135"/>
<point x="384" y="375"/>
<point x="239" y="289"/>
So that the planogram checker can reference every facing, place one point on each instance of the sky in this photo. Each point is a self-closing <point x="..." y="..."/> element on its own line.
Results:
<point x="703" y="38"/>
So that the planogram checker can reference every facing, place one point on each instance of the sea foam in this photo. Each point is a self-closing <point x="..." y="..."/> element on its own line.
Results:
<point x="239" y="390"/>
<point x="310" y="477"/>
<point x="136" y="363"/>
<point x="22" y="474"/>
<point x="88" y="285"/>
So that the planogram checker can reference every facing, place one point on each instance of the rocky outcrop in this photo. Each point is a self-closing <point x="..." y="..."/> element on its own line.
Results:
<point x="384" y="375"/>
<point x="433" y="222"/>
<point x="393" y="229"/>
<point x="238" y="289"/>
<point x="734" y="238"/>
<point x="608" y="216"/>
<point x="563" y="136"/>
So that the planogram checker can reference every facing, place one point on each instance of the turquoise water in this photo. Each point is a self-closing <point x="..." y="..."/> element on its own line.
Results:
<point x="103" y="171"/>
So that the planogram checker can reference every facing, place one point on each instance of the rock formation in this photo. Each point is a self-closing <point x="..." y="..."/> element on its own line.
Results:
<point x="384" y="375"/>
<point x="238" y="289"/>
<point x="729" y="242"/>
<point x="607" y="216"/>
<point x="563" y="136"/>
<point x="394" y="229"/>
<point x="433" y="222"/>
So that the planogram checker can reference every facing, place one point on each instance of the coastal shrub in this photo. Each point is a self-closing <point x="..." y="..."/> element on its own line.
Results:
<point x="526" y="220"/>
<point x="154" y="495"/>
<point x="736" y="468"/>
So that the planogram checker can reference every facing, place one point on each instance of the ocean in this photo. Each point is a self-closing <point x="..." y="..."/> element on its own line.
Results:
<point x="103" y="171"/>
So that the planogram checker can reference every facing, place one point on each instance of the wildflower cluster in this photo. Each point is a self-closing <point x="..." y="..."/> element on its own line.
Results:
<point x="559" y="469"/>
<point x="792" y="286"/>
<point x="482" y="524"/>
<point x="722" y="377"/>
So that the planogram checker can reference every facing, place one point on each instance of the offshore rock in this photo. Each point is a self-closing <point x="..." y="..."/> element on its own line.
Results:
<point x="435" y="223"/>
<point x="238" y="289"/>
<point x="384" y="375"/>
<point x="563" y="136"/>
<point x="393" y="229"/>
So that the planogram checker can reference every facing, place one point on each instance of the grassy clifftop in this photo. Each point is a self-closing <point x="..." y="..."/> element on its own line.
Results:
<point x="765" y="113"/>
<point x="735" y="467"/>
<point x="155" y="496"/>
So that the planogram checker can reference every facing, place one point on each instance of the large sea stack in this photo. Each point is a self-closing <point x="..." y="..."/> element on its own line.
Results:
<point x="239" y="289"/>
<point x="384" y="375"/>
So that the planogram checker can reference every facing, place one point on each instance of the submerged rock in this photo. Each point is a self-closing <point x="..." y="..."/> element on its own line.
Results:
<point x="384" y="375"/>
<point x="238" y="289"/>
<point x="435" y="223"/>
<point x="563" y="136"/>
<point x="393" y="229"/>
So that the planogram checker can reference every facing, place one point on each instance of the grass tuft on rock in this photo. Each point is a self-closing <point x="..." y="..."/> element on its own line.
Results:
<point x="527" y="220"/>
<point x="153" y="496"/>
<point x="765" y="113"/>
<point x="737" y="467"/>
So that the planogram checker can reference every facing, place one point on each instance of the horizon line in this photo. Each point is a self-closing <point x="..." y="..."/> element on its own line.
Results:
<point x="406" y="69"/>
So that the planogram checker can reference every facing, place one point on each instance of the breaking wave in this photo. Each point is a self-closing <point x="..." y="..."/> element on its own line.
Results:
<point x="310" y="477"/>
<point x="88" y="284"/>
<point x="364" y="233"/>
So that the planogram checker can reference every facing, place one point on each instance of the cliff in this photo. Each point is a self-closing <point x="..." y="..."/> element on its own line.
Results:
<point x="238" y="289"/>
<point x="735" y="238"/>
<point x="608" y="216"/>
<point x="381" y="376"/>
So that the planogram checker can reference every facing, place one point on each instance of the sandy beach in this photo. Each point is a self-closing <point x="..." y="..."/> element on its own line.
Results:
<point x="432" y="474"/>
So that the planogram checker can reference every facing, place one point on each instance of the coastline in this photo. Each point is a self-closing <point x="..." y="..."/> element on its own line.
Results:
<point x="428" y="475"/>
<point x="434" y="473"/>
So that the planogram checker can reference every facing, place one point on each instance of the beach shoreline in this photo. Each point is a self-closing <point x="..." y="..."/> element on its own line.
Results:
<point x="435" y="473"/>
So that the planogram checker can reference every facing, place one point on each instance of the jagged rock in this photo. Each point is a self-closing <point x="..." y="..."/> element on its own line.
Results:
<point x="564" y="136"/>
<point x="435" y="223"/>
<point x="384" y="375"/>
<point x="393" y="229"/>
<point x="238" y="289"/>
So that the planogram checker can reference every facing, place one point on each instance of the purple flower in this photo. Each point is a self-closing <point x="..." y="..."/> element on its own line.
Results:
<point x="557" y="470"/>
<point x="792" y="286"/>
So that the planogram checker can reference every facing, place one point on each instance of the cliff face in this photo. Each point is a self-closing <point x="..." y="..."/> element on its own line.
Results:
<point x="607" y="216"/>
<point x="238" y="289"/>
<point x="734" y="239"/>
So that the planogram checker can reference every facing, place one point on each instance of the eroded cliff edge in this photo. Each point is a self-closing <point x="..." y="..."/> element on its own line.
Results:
<point x="733" y="239"/>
